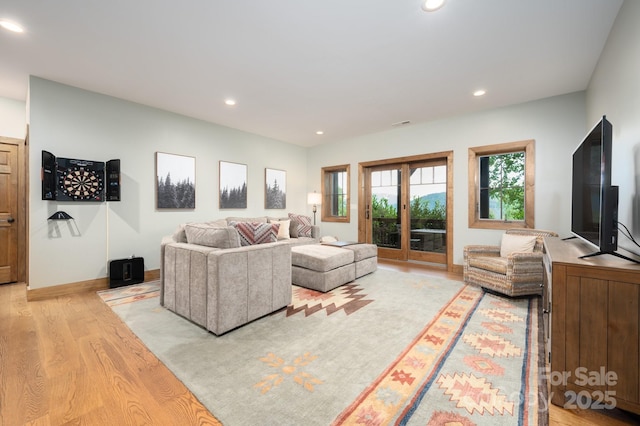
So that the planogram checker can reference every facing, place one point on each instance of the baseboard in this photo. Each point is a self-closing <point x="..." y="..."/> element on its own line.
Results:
<point x="72" y="288"/>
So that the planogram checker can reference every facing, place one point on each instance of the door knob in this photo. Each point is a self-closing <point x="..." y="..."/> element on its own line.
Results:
<point x="11" y="220"/>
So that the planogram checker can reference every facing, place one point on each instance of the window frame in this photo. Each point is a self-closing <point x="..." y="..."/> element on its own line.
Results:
<point x="327" y="194"/>
<point x="526" y="146"/>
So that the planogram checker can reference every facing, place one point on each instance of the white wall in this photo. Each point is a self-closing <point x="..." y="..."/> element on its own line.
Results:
<point x="614" y="91"/>
<point x="13" y="120"/>
<point x="557" y="124"/>
<point x="73" y="123"/>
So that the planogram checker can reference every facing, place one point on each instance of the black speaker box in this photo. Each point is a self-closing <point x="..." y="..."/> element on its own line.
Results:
<point x="126" y="271"/>
<point x="48" y="176"/>
<point x="112" y="189"/>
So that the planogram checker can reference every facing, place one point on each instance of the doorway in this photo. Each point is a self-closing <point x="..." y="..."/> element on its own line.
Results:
<point x="13" y="233"/>
<point x="405" y="207"/>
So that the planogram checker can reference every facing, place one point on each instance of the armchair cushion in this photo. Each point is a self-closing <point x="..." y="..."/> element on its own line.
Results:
<point x="517" y="243"/>
<point x="490" y="263"/>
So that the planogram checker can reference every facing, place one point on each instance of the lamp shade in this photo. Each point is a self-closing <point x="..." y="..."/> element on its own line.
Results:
<point x="314" y="198"/>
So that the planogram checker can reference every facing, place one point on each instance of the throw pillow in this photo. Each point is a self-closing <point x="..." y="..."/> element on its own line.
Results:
<point x="516" y="244"/>
<point x="302" y="225"/>
<point x="256" y="232"/>
<point x="212" y="236"/>
<point x="283" y="230"/>
<point x="179" y="234"/>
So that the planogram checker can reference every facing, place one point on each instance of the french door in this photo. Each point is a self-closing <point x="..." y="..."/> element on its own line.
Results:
<point x="406" y="207"/>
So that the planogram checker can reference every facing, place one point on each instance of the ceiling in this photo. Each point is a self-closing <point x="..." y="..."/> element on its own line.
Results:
<point x="348" y="68"/>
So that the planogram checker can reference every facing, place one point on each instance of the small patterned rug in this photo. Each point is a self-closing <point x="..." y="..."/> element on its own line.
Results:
<point x="131" y="293"/>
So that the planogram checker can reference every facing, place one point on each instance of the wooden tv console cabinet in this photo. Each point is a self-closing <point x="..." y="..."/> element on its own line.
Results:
<point x="592" y="327"/>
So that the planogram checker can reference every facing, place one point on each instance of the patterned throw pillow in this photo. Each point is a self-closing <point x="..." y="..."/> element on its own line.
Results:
<point x="301" y="225"/>
<point x="256" y="232"/>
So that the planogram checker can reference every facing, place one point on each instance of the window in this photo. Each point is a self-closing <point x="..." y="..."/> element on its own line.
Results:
<point x="335" y="194"/>
<point x="501" y="185"/>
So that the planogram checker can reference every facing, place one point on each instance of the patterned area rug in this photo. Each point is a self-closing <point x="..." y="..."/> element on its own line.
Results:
<point x="389" y="348"/>
<point x="129" y="294"/>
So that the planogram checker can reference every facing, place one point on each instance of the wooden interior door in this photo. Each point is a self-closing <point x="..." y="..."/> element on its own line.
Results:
<point x="8" y="213"/>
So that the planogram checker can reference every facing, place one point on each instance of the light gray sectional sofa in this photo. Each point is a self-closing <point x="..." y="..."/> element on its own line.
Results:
<point x="221" y="274"/>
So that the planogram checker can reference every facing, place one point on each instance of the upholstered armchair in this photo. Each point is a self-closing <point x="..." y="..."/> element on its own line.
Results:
<point x="513" y="268"/>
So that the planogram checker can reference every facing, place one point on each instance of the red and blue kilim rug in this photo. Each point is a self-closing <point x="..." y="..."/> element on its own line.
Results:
<point x="426" y="381"/>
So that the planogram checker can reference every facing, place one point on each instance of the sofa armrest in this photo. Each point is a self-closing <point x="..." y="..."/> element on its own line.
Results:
<point x="163" y="243"/>
<point x="315" y="232"/>
<point x="246" y="283"/>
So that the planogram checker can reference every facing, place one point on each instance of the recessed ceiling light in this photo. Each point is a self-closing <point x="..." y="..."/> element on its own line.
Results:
<point x="11" y="26"/>
<point x="431" y="5"/>
<point x="319" y="132"/>
<point x="230" y="102"/>
<point x="479" y="93"/>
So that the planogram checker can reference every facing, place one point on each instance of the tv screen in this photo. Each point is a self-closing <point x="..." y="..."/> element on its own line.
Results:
<point x="594" y="200"/>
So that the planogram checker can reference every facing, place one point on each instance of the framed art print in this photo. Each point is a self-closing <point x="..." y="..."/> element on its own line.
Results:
<point x="175" y="181"/>
<point x="275" y="189"/>
<point x="233" y="185"/>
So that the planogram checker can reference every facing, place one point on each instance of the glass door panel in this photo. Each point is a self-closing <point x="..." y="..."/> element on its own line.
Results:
<point x="386" y="197"/>
<point x="428" y="211"/>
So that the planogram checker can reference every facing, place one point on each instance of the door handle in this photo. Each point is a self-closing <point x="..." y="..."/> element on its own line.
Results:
<point x="10" y="220"/>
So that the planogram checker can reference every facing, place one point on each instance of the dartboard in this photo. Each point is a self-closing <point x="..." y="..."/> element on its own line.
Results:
<point x="80" y="183"/>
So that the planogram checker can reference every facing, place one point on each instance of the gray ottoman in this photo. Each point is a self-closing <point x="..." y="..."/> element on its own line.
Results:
<point x="365" y="257"/>
<point x="321" y="268"/>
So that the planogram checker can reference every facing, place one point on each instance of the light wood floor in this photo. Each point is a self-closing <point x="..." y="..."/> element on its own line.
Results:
<point x="70" y="360"/>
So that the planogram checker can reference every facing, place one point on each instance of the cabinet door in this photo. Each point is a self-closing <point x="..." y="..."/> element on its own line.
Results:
<point x="623" y="339"/>
<point x="586" y="328"/>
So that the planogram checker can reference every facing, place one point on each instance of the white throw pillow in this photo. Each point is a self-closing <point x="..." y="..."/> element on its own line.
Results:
<point x="283" y="231"/>
<point x="516" y="244"/>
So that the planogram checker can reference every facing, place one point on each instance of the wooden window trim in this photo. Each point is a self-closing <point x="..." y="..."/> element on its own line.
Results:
<point x="325" y="208"/>
<point x="528" y="146"/>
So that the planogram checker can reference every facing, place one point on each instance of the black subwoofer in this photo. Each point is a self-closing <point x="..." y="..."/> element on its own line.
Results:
<point x="126" y="271"/>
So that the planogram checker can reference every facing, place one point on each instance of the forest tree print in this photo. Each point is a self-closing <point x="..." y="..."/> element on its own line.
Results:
<point x="233" y="185"/>
<point x="176" y="188"/>
<point x="275" y="195"/>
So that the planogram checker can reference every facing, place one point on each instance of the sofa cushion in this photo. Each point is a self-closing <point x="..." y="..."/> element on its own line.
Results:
<point x="283" y="230"/>
<point x="212" y="236"/>
<point x="300" y="225"/>
<point x="317" y="257"/>
<point x="261" y="219"/>
<point x="516" y="244"/>
<point x="256" y="232"/>
<point x="219" y="223"/>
